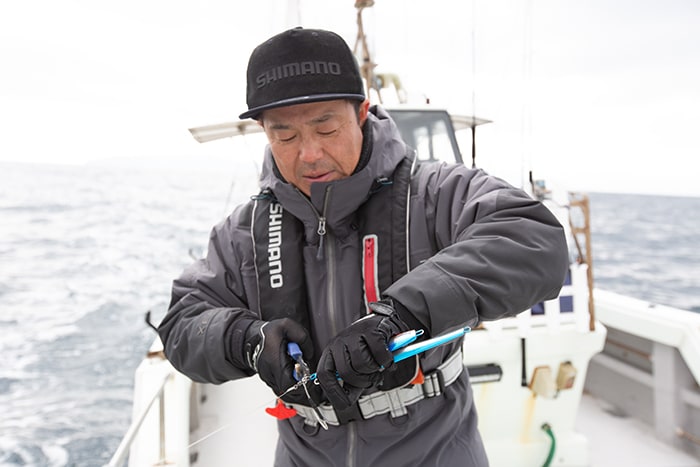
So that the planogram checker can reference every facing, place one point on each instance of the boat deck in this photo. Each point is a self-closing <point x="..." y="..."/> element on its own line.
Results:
<point x="617" y="440"/>
<point x="614" y="439"/>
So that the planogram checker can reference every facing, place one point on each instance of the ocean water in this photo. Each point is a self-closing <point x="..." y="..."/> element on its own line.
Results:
<point x="86" y="251"/>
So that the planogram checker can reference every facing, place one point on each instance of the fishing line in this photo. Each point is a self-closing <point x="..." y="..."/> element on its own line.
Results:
<point x="230" y="424"/>
<point x="402" y="348"/>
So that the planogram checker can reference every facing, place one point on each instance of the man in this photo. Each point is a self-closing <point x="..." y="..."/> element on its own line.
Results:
<point x="321" y="258"/>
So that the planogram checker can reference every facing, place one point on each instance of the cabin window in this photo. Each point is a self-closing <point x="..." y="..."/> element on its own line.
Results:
<point x="430" y="133"/>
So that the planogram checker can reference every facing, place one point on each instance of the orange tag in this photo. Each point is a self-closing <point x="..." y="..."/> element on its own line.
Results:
<point x="419" y="379"/>
<point x="281" y="411"/>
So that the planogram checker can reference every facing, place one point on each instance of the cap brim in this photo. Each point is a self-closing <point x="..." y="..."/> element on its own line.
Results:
<point x="255" y="112"/>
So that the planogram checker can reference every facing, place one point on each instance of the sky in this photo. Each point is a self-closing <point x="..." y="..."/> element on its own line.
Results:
<point x="592" y="95"/>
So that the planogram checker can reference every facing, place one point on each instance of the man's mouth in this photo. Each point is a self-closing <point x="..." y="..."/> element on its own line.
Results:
<point x="318" y="177"/>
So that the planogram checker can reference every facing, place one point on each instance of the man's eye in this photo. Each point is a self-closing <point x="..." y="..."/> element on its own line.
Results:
<point x="286" y="139"/>
<point x="327" y="131"/>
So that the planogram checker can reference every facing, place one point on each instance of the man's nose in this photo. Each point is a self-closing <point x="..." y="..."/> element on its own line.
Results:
<point x="310" y="149"/>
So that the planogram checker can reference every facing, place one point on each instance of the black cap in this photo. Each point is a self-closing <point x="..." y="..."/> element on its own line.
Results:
<point x="300" y="66"/>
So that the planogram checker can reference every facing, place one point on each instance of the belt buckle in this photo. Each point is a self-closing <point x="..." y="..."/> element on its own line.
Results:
<point x="431" y="379"/>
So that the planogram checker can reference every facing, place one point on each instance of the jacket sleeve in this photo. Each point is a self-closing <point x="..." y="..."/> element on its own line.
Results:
<point x="209" y="310"/>
<point x="498" y="251"/>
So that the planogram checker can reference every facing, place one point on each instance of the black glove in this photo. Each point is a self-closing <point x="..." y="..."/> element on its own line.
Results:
<point x="265" y="352"/>
<point x="358" y="355"/>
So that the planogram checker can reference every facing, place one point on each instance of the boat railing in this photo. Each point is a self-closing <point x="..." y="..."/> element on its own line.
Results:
<point x="122" y="451"/>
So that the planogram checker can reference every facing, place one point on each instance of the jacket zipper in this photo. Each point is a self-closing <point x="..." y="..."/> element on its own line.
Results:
<point x="321" y="231"/>
<point x="322" y="222"/>
<point x="352" y="437"/>
<point x="326" y="250"/>
<point x="329" y="250"/>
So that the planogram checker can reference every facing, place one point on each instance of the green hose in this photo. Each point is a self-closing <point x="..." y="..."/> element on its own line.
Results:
<point x="553" y="447"/>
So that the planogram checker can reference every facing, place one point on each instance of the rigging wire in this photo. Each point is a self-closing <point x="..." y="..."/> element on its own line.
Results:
<point x="473" y="84"/>
<point x="474" y="58"/>
<point x="526" y="116"/>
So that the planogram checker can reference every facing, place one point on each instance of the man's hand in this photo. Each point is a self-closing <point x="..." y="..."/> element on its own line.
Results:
<point x="265" y="351"/>
<point x="358" y="355"/>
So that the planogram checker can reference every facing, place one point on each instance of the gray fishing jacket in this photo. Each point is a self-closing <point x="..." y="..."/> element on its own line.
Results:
<point x="479" y="250"/>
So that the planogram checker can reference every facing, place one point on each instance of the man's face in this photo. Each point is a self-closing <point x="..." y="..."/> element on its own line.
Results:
<point x="315" y="142"/>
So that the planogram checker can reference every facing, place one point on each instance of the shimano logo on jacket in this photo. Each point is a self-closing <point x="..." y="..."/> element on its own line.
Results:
<point x="274" y="254"/>
<point x="290" y="70"/>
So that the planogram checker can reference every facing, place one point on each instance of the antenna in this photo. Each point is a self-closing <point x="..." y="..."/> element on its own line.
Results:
<point x="367" y="65"/>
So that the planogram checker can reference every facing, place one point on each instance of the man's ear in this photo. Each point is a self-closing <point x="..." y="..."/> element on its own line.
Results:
<point x="364" y="111"/>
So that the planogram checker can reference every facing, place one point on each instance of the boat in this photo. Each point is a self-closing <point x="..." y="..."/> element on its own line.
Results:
<point x="588" y="378"/>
